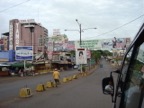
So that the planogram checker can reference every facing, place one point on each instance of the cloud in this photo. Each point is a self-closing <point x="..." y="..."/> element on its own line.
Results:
<point x="61" y="14"/>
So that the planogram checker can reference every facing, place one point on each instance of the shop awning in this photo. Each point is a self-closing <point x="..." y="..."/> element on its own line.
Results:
<point x="21" y="64"/>
<point x="4" y="65"/>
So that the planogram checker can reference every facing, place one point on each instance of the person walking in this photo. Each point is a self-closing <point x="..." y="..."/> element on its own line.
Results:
<point x="56" y="76"/>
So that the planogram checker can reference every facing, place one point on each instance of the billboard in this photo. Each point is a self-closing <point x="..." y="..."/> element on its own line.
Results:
<point x="89" y="44"/>
<point x="24" y="53"/>
<point x="11" y="27"/>
<point x="81" y="56"/>
<point x="115" y="43"/>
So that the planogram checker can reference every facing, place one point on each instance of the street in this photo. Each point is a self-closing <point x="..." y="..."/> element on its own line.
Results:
<point x="84" y="92"/>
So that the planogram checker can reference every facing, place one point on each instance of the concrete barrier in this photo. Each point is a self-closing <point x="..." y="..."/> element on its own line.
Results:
<point x="65" y="80"/>
<point x="75" y="76"/>
<point x="40" y="88"/>
<point x="50" y="84"/>
<point x="25" y="92"/>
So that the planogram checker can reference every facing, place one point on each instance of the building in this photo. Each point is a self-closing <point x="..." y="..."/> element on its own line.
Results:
<point x="4" y="43"/>
<point x="26" y="33"/>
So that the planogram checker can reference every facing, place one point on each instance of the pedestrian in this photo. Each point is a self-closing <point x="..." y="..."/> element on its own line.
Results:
<point x="56" y="77"/>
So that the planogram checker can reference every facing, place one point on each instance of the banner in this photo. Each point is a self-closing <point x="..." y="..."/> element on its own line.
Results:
<point x="89" y="44"/>
<point x="24" y="53"/>
<point x="81" y="56"/>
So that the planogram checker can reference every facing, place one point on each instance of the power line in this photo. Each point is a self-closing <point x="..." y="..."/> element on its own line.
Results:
<point x="14" y="6"/>
<point x="120" y="26"/>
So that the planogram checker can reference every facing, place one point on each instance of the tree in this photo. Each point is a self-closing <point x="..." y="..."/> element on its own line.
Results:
<point x="96" y="55"/>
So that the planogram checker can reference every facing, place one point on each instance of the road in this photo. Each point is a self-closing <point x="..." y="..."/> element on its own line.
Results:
<point x="84" y="92"/>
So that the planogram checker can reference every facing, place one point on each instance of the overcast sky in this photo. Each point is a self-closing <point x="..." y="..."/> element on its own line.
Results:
<point x="105" y="15"/>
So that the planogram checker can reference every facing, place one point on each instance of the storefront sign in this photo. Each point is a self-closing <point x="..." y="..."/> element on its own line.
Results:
<point x="24" y="53"/>
<point x="27" y="21"/>
<point x="17" y="35"/>
<point x="11" y="36"/>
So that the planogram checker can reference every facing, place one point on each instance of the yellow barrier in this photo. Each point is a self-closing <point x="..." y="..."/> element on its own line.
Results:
<point x="25" y="92"/>
<point x="50" y="84"/>
<point x="75" y="77"/>
<point x="65" y="80"/>
<point x="70" y="78"/>
<point x="40" y="88"/>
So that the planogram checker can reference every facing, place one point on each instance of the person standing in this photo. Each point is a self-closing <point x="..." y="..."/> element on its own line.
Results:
<point x="56" y="76"/>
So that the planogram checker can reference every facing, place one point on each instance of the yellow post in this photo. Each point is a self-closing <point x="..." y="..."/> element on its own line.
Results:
<point x="40" y="88"/>
<point x="65" y="80"/>
<point x="25" y="92"/>
<point x="75" y="77"/>
<point x="70" y="78"/>
<point x="50" y="84"/>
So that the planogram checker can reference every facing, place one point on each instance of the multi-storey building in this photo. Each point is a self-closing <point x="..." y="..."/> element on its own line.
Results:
<point x="26" y="33"/>
<point x="4" y="43"/>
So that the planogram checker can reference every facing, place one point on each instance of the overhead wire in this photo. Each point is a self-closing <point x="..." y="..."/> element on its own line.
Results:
<point x="119" y="26"/>
<point x="13" y="6"/>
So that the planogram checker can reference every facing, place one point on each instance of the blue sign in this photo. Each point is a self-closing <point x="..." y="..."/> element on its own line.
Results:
<point x="24" y="53"/>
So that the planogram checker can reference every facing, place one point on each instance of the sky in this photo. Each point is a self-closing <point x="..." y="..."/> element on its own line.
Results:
<point x="108" y="16"/>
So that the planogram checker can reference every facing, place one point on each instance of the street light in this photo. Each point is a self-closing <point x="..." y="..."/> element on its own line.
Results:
<point x="80" y="29"/>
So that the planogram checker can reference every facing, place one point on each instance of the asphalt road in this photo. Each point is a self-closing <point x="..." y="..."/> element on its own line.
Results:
<point x="84" y="92"/>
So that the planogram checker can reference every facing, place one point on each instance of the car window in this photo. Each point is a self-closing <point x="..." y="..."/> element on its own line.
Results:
<point x="123" y="76"/>
<point x="135" y="87"/>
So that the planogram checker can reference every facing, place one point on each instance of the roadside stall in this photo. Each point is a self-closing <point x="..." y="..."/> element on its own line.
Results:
<point x="17" y="68"/>
<point x="4" y="69"/>
<point x="42" y="67"/>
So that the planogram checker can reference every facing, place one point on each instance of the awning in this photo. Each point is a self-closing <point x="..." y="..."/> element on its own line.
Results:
<point x="21" y="64"/>
<point x="4" y="65"/>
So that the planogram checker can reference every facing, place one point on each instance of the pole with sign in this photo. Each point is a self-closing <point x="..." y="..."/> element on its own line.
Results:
<point x="24" y="53"/>
<point x="81" y="56"/>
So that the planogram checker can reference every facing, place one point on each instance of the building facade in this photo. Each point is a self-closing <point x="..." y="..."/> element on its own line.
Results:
<point x="26" y="33"/>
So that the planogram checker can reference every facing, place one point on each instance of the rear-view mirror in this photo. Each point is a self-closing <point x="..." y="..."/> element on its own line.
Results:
<point x="108" y="85"/>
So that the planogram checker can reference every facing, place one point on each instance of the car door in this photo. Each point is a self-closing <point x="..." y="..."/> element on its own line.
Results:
<point x="130" y="85"/>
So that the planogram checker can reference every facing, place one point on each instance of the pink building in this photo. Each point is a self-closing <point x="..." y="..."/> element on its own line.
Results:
<point x="27" y="33"/>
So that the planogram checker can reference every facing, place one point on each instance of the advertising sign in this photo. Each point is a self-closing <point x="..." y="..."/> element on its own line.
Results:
<point x="115" y="43"/>
<point x="24" y="53"/>
<point x="81" y="56"/>
<point x="88" y="54"/>
<point x="17" y="35"/>
<point x="11" y="27"/>
<point x="89" y="44"/>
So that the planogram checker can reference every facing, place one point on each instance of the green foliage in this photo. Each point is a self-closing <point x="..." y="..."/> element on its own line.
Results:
<point x="106" y="53"/>
<point x="72" y="53"/>
<point x="83" y="68"/>
<point x="96" y="55"/>
<point x="138" y="65"/>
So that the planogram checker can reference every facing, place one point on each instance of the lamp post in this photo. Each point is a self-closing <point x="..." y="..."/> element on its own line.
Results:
<point x="80" y="31"/>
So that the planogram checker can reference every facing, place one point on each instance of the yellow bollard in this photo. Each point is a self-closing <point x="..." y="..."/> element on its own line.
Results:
<point x="25" y="92"/>
<point x="75" y="77"/>
<point x="50" y="84"/>
<point x="70" y="78"/>
<point x="65" y="80"/>
<point x="85" y="74"/>
<point x="40" y="88"/>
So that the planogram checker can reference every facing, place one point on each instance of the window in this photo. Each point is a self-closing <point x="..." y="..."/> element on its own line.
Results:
<point x="134" y="90"/>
